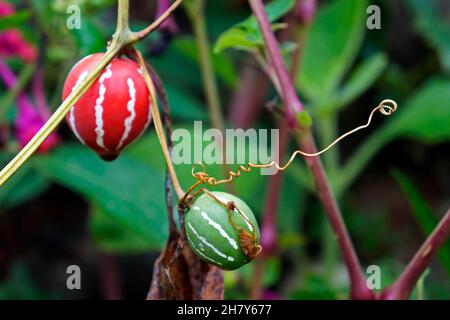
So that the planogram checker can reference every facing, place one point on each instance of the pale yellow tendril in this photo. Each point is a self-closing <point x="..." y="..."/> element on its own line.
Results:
<point x="386" y="107"/>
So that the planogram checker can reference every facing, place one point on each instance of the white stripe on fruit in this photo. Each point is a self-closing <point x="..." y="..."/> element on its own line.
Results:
<point x="203" y="240"/>
<point x="99" y="107"/>
<point x="131" y="107"/>
<point x="219" y="228"/>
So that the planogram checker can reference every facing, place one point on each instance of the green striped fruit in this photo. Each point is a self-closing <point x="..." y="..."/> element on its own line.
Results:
<point x="216" y="240"/>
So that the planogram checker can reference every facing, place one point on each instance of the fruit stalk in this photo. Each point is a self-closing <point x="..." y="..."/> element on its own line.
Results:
<point x="159" y="128"/>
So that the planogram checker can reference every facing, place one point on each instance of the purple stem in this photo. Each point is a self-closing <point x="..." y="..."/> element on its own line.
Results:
<point x="169" y="24"/>
<point x="405" y="284"/>
<point x="293" y="104"/>
<point x="249" y="96"/>
<point x="269" y="234"/>
<point x="359" y="289"/>
<point x="39" y="95"/>
<point x="305" y="10"/>
<point x="10" y="80"/>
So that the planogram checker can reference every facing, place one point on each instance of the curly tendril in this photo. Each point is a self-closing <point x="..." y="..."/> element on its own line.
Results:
<point x="386" y="107"/>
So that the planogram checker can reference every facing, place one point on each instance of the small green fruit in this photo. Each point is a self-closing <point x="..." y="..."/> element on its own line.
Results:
<point x="217" y="240"/>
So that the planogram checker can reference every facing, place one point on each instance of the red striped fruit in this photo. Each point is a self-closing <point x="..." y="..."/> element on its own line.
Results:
<point x="114" y="111"/>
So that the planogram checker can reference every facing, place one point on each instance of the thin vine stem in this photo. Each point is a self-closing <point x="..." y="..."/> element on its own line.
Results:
<point x="159" y="128"/>
<point x="173" y="232"/>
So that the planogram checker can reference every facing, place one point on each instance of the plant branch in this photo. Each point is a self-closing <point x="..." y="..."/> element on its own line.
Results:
<point x="359" y="289"/>
<point x="269" y="234"/>
<point x="246" y="102"/>
<point x="123" y="15"/>
<point x="305" y="140"/>
<point x="405" y="284"/>
<point x="293" y="104"/>
<point x="138" y="36"/>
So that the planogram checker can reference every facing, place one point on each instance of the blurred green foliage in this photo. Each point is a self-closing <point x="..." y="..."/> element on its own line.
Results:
<point x="424" y="215"/>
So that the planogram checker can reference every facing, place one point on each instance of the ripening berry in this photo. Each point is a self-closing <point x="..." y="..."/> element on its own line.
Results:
<point x="228" y="244"/>
<point x="114" y="111"/>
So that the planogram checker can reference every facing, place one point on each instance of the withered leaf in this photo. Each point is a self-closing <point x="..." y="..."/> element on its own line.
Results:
<point x="188" y="277"/>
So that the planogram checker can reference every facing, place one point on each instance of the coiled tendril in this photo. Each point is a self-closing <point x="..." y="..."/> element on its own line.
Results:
<point x="386" y="107"/>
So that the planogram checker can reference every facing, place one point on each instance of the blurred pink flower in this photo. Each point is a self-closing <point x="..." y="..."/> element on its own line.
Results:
<point x="13" y="44"/>
<point x="305" y="10"/>
<point x="170" y="24"/>
<point x="29" y="119"/>
<point x="6" y="9"/>
<point x="269" y="238"/>
<point x="270" y="295"/>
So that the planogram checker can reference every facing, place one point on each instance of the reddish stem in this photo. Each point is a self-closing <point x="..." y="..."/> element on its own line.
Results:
<point x="405" y="284"/>
<point x="269" y="235"/>
<point x="290" y="98"/>
<point x="249" y="96"/>
<point x="358" y="288"/>
<point x="39" y="94"/>
<point x="109" y="277"/>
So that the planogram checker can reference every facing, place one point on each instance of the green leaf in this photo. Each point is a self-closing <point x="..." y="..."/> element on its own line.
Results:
<point x="129" y="192"/>
<point x="314" y="286"/>
<point x="425" y="116"/>
<point x="23" y="186"/>
<point x="15" y="20"/>
<point x="238" y="39"/>
<point x="90" y="38"/>
<point x="223" y="66"/>
<point x="274" y="9"/>
<point x="246" y="34"/>
<point x="362" y="78"/>
<point x="183" y="104"/>
<point x="112" y="237"/>
<point x="425" y="217"/>
<point x="332" y="44"/>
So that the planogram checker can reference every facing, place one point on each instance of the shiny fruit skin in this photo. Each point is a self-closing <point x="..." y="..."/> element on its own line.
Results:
<point x="116" y="108"/>
<point x="211" y="235"/>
